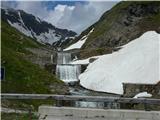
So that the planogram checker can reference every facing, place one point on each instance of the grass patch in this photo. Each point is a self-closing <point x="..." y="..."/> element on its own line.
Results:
<point x="22" y="76"/>
<point x="16" y="116"/>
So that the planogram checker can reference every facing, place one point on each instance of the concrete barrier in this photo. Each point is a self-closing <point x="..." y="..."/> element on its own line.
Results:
<point x="70" y="113"/>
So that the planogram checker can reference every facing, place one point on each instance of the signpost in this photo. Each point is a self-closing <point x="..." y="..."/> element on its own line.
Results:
<point x="2" y="73"/>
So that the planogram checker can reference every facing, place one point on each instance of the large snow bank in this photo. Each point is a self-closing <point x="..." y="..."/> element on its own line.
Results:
<point x="79" y="44"/>
<point x="137" y="62"/>
<point x="142" y="94"/>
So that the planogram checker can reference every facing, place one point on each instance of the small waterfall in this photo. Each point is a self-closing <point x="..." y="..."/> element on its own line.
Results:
<point x="63" y="58"/>
<point x="69" y="73"/>
<point x="66" y="71"/>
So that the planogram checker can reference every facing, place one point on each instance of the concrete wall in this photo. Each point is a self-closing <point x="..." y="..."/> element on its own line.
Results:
<point x="41" y="56"/>
<point x="68" y="113"/>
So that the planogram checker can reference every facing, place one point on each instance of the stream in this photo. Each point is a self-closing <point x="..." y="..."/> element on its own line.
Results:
<point x="69" y="74"/>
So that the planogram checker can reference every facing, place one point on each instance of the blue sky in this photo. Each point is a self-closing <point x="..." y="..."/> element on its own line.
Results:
<point x="73" y="15"/>
<point x="51" y="4"/>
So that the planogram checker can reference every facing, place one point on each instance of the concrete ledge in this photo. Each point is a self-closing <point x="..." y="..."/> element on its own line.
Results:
<point x="70" y="113"/>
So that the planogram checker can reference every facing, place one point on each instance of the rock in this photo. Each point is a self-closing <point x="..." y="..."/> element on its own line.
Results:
<point x="92" y="60"/>
<point x="130" y="90"/>
<point x="50" y="68"/>
<point x="59" y="89"/>
<point x="83" y="68"/>
<point x="73" y="83"/>
<point x="124" y="22"/>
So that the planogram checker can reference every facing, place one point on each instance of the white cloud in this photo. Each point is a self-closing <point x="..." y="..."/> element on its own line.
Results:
<point x="58" y="13"/>
<point x="77" y="17"/>
<point x="80" y="16"/>
<point x="34" y="7"/>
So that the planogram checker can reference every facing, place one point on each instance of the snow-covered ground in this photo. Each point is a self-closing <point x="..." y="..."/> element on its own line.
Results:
<point x="79" y="44"/>
<point x="142" y="94"/>
<point x="137" y="62"/>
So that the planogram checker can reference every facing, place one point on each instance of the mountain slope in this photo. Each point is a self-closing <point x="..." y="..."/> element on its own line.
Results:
<point x="126" y="21"/>
<point x="34" y="27"/>
<point x="123" y="23"/>
<point x="22" y="76"/>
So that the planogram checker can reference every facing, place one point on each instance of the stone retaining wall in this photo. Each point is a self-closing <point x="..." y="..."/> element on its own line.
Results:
<point x="130" y="90"/>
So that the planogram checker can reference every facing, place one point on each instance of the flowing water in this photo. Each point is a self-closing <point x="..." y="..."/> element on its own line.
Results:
<point x="66" y="71"/>
<point x="69" y="73"/>
<point x="63" y="58"/>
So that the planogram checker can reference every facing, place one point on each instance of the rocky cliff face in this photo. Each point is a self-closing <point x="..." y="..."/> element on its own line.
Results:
<point x="124" y="22"/>
<point x="34" y="27"/>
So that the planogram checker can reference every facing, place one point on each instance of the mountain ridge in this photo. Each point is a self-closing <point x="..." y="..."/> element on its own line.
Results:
<point x="34" y="27"/>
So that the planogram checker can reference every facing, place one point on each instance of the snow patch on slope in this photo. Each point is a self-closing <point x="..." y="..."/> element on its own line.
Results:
<point x="21" y="20"/>
<point x="79" y="44"/>
<point x="6" y="11"/>
<point x="48" y="37"/>
<point x="21" y="28"/>
<point x="137" y="62"/>
<point x="38" y="19"/>
<point x="142" y="94"/>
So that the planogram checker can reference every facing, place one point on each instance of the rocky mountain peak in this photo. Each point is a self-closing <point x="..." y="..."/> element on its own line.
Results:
<point x="34" y="27"/>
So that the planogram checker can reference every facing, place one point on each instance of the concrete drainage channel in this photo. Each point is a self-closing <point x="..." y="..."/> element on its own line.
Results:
<point x="69" y="113"/>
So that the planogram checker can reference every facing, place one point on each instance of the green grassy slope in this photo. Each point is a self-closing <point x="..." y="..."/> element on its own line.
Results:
<point x="14" y="116"/>
<point x="21" y="75"/>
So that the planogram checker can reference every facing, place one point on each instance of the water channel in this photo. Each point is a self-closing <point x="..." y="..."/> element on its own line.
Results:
<point x="69" y="73"/>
